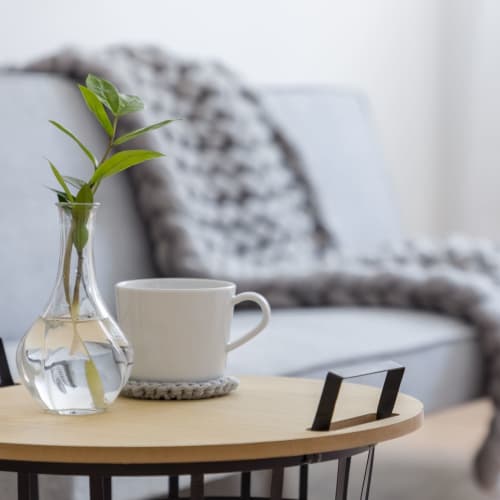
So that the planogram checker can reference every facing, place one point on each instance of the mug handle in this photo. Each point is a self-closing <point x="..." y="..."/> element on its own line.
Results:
<point x="266" y="316"/>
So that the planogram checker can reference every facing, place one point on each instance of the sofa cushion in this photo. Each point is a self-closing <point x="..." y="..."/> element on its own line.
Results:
<point x="440" y="353"/>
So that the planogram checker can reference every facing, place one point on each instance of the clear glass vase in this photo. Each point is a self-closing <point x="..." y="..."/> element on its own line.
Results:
<point x="75" y="359"/>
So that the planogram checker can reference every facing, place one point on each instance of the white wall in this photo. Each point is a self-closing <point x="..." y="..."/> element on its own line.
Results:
<point x="471" y="118"/>
<point x="388" y="48"/>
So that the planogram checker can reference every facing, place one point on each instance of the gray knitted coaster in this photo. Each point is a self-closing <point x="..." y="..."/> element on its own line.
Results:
<point x="180" y="390"/>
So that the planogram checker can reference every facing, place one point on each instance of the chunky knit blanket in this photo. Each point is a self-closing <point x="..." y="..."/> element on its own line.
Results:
<point x="232" y="200"/>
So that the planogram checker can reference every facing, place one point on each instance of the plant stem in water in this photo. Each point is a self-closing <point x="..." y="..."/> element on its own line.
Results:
<point x="75" y="304"/>
<point x="93" y="378"/>
<point x="67" y="266"/>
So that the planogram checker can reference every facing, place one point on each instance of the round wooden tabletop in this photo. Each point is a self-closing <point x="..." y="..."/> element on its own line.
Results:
<point x="266" y="417"/>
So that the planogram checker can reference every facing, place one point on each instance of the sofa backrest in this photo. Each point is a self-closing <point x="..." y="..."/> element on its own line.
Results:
<point x="330" y="128"/>
<point x="28" y="218"/>
<point x="333" y="131"/>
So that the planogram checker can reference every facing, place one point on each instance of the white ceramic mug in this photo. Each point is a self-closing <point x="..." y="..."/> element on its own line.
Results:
<point x="180" y="327"/>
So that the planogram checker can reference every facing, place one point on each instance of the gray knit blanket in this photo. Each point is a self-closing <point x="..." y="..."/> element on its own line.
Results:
<point x="232" y="200"/>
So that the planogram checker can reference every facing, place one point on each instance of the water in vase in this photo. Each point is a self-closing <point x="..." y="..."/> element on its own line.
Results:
<point x="74" y="367"/>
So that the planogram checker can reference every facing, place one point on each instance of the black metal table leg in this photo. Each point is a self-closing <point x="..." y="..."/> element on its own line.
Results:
<point x="303" y="482"/>
<point x="197" y="487"/>
<point x="343" y="470"/>
<point x="27" y="486"/>
<point x="277" y="483"/>
<point x="367" y="479"/>
<point x="173" y="487"/>
<point x="100" y="475"/>
<point x="246" y="482"/>
<point x="100" y="487"/>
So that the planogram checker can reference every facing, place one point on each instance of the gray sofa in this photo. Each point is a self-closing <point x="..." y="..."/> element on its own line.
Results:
<point x="332" y="129"/>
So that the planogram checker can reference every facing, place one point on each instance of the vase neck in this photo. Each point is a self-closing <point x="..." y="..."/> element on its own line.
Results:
<point x="75" y="294"/>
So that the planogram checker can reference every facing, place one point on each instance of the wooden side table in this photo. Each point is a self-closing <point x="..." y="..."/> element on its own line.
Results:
<point x="265" y="424"/>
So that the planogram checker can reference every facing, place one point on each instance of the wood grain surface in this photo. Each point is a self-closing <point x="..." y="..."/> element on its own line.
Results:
<point x="266" y="417"/>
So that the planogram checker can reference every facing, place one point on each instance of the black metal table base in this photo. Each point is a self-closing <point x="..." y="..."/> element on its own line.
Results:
<point x="100" y="475"/>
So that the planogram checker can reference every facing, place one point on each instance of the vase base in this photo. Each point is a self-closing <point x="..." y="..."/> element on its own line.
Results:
<point x="77" y="411"/>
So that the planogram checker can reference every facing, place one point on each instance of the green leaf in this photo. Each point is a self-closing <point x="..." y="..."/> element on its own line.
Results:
<point x="74" y="181"/>
<point x="62" y="198"/>
<point x="140" y="131"/>
<point x="81" y="212"/>
<point x="80" y="232"/>
<point x="105" y="91"/>
<point x="85" y="195"/>
<point x="129" y="104"/>
<point x="61" y="195"/>
<point x="121" y="161"/>
<point x="91" y="157"/>
<point x="119" y="104"/>
<point x="96" y="107"/>
<point x="60" y="179"/>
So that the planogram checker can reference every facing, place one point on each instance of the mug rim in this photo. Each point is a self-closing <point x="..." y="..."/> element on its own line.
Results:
<point x="198" y="285"/>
